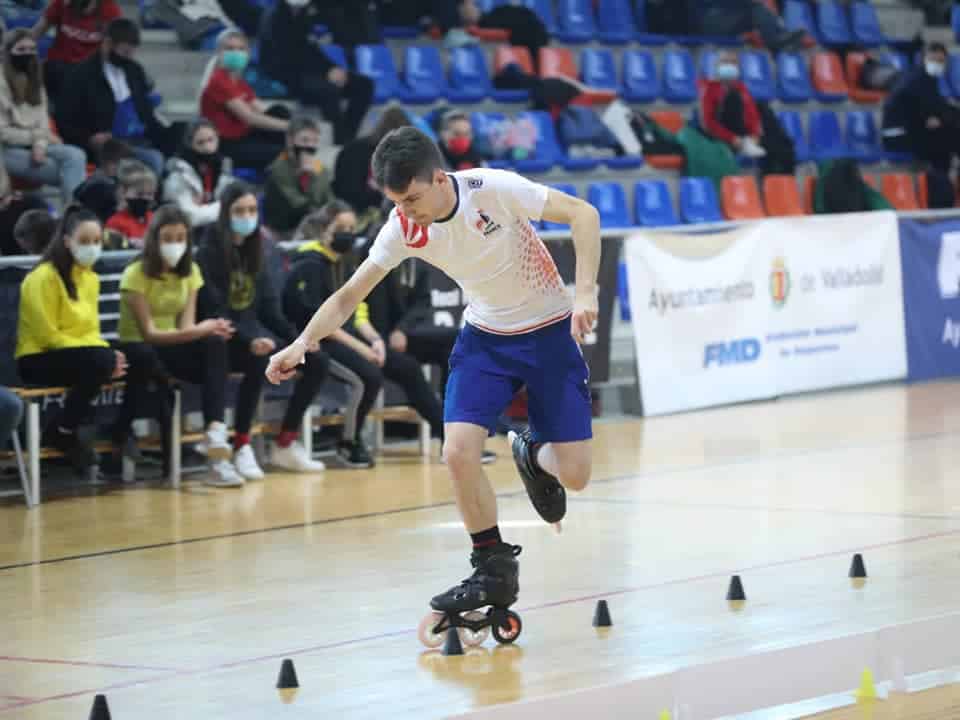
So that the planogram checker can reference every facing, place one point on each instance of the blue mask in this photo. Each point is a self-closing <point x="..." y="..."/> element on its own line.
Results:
<point x="727" y="71"/>
<point x="243" y="226"/>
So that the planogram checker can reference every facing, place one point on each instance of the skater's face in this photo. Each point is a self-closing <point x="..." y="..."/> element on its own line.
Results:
<point x="424" y="202"/>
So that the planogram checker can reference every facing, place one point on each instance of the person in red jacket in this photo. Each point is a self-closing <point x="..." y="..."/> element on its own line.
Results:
<point x="728" y="111"/>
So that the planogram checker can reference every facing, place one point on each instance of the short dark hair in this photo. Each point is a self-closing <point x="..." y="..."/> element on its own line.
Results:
<point x="937" y="47"/>
<point x="405" y="155"/>
<point x="34" y="230"/>
<point x="123" y="31"/>
<point x="113" y="151"/>
<point x="301" y="122"/>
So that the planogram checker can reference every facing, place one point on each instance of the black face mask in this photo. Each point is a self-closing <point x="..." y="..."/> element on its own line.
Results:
<point x="211" y="160"/>
<point x="300" y="150"/>
<point x="139" y="207"/>
<point x="118" y="60"/>
<point x="342" y="242"/>
<point x="22" y="62"/>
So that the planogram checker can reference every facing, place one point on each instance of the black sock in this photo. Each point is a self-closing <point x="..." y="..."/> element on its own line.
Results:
<point x="486" y="538"/>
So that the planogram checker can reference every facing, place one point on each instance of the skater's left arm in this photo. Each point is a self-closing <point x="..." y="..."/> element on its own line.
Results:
<point x="584" y="222"/>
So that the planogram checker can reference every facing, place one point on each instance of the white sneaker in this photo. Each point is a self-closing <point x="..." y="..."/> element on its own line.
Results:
<point x="751" y="149"/>
<point x="217" y="446"/>
<point x="223" y="474"/>
<point x="246" y="463"/>
<point x="294" y="458"/>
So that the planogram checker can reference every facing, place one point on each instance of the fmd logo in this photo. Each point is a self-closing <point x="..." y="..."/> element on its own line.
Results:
<point x="734" y="352"/>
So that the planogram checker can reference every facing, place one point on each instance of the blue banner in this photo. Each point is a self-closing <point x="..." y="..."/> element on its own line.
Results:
<point x="930" y="255"/>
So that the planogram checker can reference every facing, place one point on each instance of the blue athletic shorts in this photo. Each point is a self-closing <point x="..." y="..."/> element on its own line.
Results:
<point x="487" y="370"/>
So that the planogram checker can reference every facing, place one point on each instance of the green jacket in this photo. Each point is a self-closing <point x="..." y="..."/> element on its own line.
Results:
<point x="875" y="199"/>
<point x="705" y="157"/>
<point x="285" y="203"/>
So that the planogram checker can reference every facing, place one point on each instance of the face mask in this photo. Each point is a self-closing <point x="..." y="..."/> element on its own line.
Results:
<point x="235" y="60"/>
<point x="934" y="68"/>
<point x="22" y="62"/>
<point x="342" y="242"/>
<point x="139" y="207"/>
<point x="243" y="226"/>
<point x="727" y="72"/>
<point x="86" y="255"/>
<point x="301" y="150"/>
<point x="118" y="60"/>
<point x="459" y="145"/>
<point x="172" y="253"/>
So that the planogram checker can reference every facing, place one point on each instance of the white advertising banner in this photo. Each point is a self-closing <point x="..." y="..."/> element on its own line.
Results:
<point x="765" y="309"/>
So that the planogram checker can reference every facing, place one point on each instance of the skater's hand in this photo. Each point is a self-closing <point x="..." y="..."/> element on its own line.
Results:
<point x="283" y="365"/>
<point x="379" y="352"/>
<point x="584" y="318"/>
<point x="120" y="366"/>
<point x="398" y="341"/>
<point x="262" y="346"/>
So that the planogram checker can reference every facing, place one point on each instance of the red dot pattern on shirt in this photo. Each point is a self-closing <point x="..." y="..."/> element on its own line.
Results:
<point x="538" y="271"/>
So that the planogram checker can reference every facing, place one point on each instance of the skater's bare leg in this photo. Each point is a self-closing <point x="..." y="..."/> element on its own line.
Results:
<point x="570" y="462"/>
<point x="463" y="451"/>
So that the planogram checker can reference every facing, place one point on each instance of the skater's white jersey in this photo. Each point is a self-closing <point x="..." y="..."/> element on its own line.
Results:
<point x="490" y="248"/>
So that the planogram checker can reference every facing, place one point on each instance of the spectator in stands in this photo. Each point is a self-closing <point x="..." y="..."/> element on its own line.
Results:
<point x="108" y="96"/>
<point x="736" y="17"/>
<point x="33" y="232"/>
<point x="159" y="332"/>
<point x="456" y="135"/>
<point x="136" y="197"/>
<point x="99" y="191"/>
<point x="31" y="150"/>
<point x="352" y="176"/>
<point x="13" y="206"/>
<point x="287" y="48"/>
<point x="251" y="134"/>
<point x="197" y="177"/>
<point x="918" y="119"/>
<point x="297" y="182"/>
<point x="238" y="286"/>
<point x="727" y="109"/>
<point x="58" y="334"/>
<point x="840" y="188"/>
<point x="79" y="26"/>
<point x="11" y="410"/>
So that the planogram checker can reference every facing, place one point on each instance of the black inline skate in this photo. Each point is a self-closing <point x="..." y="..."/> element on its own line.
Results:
<point x="494" y="585"/>
<point x="548" y="496"/>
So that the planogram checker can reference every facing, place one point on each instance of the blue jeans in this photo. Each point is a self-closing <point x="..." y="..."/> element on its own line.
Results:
<point x="11" y="410"/>
<point x="65" y="167"/>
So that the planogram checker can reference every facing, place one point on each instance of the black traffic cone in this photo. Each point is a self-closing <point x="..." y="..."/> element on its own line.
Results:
<point x="100" y="710"/>
<point x="601" y="616"/>
<point x="735" y="591"/>
<point x="288" y="676"/>
<point x="857" y="568"/>
<point x="452" y="646"/>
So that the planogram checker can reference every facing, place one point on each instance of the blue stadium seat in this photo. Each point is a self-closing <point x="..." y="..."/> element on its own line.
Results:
<point x="548" y="151"/>
<point x="576" y="23"/>
<point x="757" y="75"/>
<point x="708" y="62"/>
<point x="862" y="137"/>
<point x="623" y="162"/>
<point x="793" y="126"/>
<point x="652" y="204"/>
<point x="698" y="201"/>
<point x="897" y="59"/>
<point x="640" y="20"/>
<point x="598" y="69"/>
<point x="376" y="62"/>
<point x="826" y="142"/>
<point x="797" y="15"/>
<point x="793" y="78"/>
<point x="865" y="25"/>
<point x="423" y="74"/>
<point x="679" y="83"/>
<point x="640" y="80"/>
<point x="953" y="74"/>
<point x="544" y="10"/>
<point x="335" y="53"/>
<point x="615" y="22"/>
<point x="611" y="202"/>
<point x="955" y="22"/>
<point x="483" y="125"/>
<point x="833" y="23"/>
<point x="400" y="31"/>
<point x="469" y="75"/>
<point x="569" y="190"/>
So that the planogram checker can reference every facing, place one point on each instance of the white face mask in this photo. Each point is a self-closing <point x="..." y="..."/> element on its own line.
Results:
<point x="934" y="68"/>
<point x="172" y="253"/>
<point x="726" y="71"/>
<point x="86" y="255"/>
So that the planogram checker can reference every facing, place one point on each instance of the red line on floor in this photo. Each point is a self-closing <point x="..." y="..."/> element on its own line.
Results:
<point x="84" y="663"/>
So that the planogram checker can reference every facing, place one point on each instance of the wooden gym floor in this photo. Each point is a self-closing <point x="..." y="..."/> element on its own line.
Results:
<point x="183" y="605"/>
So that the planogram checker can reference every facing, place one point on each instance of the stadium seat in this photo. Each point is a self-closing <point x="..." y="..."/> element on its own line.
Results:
<point x="826" y="142"/>
<point x="423" y="74"/>
<point x="955" y="22"/>
<point x="641" y="84"/>
<point x="679" y="82"/>
<point x="862" y="137"/>
<point x="548" y="152"/>
<point x="707" y="64"/>
<point x="898" y="189"/>
<point x="652" y="204"/>
<point x="400" y="31"/>
<point x="833" y="23"/>
<point x="611" y="202"/>
<point x="557" y="61"/>
<point x="376" y="62"/>
<point x="469" y="77"/>
<point x="828" y="81"/>
<point x="793" y="126"/>
<point x="575" y="21"/>
<point x="598" y="69"/>
<point x="858" y="94"/>
<point x="793" y="78"/>
<point x="672" y="121"/>
<point x="740" y="198"/>
<point x="757" y="75"/>
<point x="809" y="191"/>
<point x="544" y="10"/>
<point x="336" y="54"/>
<point x="483" y="124"/>
<point x="781" y="197"/>
<point x="569" y="190"/>
<point x="698" y="201"/>
<point x="615" y="24"/>
<point x="797" y="15"/>
<point x="953" y="74"/>
<point x="512" y="55"/>
<point x="865" y="25"/>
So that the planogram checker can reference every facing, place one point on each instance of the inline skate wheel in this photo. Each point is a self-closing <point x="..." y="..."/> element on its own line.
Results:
<point x="425" y="631"/>
<point x="509" y="633"/>
<point x="473" y="638"/>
